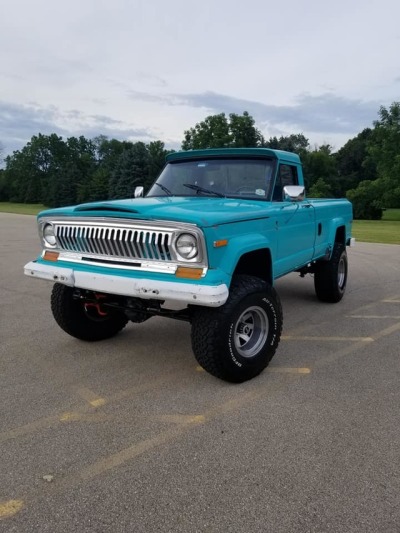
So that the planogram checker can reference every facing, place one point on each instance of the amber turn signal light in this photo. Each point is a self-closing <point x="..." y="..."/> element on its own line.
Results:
<point x="189" y="273"/>
<point x="51" y="256"/>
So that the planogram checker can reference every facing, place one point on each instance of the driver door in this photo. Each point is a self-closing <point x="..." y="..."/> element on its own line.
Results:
<point x="295" y="225"/>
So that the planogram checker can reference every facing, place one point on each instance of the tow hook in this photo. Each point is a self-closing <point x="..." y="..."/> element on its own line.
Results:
<point x="96" y="305"/>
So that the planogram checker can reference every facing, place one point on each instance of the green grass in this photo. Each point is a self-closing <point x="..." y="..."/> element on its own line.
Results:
<point x="386" y="231"/>
<point x="21" y="209"/>
<point x="391" y="214"/>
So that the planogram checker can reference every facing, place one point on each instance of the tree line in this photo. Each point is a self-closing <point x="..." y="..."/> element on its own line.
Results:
<point x="58" y="172"/>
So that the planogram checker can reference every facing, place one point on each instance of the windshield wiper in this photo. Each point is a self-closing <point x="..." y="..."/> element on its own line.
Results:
<point x="164" y="188"/>
<point x="201" y="189"/>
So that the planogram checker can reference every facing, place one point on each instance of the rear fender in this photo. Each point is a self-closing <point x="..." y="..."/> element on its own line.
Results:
<point x="338" y="233"/>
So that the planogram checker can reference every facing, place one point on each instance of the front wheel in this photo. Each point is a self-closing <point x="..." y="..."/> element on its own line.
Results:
<point x="88" y="321"/>
<point x="330" y="277"/>
<point x="236" y="342"/>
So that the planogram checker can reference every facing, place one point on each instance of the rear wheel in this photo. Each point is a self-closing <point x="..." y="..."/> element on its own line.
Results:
<point x="236" y="342"/>
<point x="330" y="277"/>
<point x="85" y="320"/>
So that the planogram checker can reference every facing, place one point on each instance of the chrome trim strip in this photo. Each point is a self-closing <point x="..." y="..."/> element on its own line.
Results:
<point x="105" y="261"/>
<point x="128" y="223"/>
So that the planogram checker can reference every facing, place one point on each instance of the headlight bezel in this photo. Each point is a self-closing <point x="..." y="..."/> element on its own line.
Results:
<point x="52" y="243"/>
<point x="192" y="242"/>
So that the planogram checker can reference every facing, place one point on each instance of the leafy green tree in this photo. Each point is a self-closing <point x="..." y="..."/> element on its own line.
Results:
<point x="157" y="155"/>
<point x="73" y="161"/>
<point x="213" y="132"/>
<point x="366" y="200"/>
<point x="77" y="173"/>
<point x="96" y="188"/>
<point x="296" y="143"/>
<point x="57" y="172"/>
<point x="353" y="163"/>
<point x="29" y="171"/>
<point x="106" y="155"/>
<point x="243" y="132"/>
<point x="216" y="131"/>
<point x="4" y="192"/>
<point x="64" y="186"/>
<point x="382" y="161"/>
<point x="384" y="150"/>
<point x="320" y="164"/>
<point x="108" y="151"/>
<point x="132" y="169"/>
<point x="13" y="182"/>
<point x="320" y="189"/>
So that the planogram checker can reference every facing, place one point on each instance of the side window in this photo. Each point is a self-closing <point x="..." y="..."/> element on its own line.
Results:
<point x="287" y="175"/>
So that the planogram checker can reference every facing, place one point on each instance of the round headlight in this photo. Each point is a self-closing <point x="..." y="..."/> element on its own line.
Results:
<point x="186" y="246"/>
<point x="48" y="235"/>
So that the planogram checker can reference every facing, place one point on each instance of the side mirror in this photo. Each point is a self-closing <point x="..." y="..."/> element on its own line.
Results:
<point x="139" y="191"/>
<point x="294" y="193"/>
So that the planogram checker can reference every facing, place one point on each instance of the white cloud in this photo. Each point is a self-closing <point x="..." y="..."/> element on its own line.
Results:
<point x="157" y="68"/>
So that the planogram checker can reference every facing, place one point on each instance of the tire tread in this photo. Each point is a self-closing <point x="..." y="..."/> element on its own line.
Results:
<point x="71" y="318"/>
<point x="208" y="322"/>
<point x="325" y="277"/>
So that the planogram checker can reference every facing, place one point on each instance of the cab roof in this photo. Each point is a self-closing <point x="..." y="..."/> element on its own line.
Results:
<point x="234" y="152"/>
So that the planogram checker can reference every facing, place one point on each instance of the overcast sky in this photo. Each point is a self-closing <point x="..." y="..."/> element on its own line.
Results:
<point x="149" y="69"/>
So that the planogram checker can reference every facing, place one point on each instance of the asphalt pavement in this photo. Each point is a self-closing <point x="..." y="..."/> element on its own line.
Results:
<point x="130" y="435"/>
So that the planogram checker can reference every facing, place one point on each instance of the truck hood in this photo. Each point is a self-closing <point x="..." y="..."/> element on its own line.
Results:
<point x="200" y="211"/>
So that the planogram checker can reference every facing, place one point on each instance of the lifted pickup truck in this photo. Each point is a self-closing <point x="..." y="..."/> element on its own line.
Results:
<point x="205" y="245"/>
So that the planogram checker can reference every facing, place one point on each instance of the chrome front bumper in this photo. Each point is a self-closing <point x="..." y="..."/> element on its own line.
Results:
<point x="188" y="293"/>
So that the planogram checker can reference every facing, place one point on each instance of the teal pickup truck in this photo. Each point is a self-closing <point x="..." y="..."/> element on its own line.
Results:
<point x="205" y="245"/>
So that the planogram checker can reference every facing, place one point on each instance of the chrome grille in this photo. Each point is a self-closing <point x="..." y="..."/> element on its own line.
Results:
<point x="124" y="242"/>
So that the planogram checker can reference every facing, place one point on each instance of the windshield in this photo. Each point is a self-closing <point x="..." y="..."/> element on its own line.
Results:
<point x="244" y="178"/>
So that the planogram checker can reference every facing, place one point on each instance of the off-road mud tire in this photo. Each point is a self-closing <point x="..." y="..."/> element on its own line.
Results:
<point x="253" y="311"/>
<point x="71" y="315"/>
<point x="330" y="277"/>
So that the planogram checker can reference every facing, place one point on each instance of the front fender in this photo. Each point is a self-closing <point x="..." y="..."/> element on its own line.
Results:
<point x="229" y="256"/>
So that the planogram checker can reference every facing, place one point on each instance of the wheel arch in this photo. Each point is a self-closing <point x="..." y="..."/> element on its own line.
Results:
<point x="339" y="231"/>
<point x="256" y="263"/>
<point x="340" y="236"/>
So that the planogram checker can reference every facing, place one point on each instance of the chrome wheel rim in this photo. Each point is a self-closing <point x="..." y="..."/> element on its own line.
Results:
<point x="251" y="331"/>
<point x="341" y="273"/>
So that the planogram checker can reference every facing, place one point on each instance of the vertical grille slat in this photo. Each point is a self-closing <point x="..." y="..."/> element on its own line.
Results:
<point x="133" y="245"/>
<point x="118" y="243"/>
<point x="68" y="238"/>
<point x="137" y="242"/>
<point x="99" y="237"/>
<point x="150" y="239"/>
<point x="139" y="237"/>
<point x="156" y="247"/>
<point x="106" y="242"/>
<point x="96" y="240"/>
<point x="89" y="240"/>
<point x="125" y="243"/>
<point x="84" y="239"/>
<point x="114" y="251"/>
